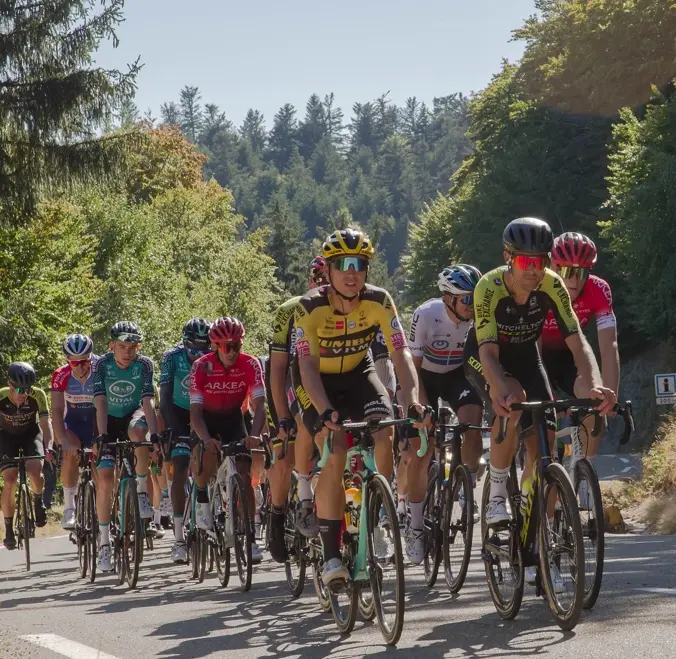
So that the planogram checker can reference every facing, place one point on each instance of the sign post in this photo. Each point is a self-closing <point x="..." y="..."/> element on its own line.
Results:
<point x="665" y="388"/>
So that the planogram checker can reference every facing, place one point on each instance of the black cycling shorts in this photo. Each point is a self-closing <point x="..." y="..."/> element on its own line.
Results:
<point x="118" y="430"/>
<point x="29" y="443"/>
<point x="272" y="416"/>
<point x="355" y="395"/>
<point x="180" y="428"/>
<point x="227" y="428"/>
<point x="451" y="387"/>
<point x="523" y="363"/>
<point x="561" y="370"/>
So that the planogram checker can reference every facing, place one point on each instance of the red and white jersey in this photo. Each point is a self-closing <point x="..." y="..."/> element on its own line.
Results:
<point x="222" y="389"/>
<point x="595" y="300"/>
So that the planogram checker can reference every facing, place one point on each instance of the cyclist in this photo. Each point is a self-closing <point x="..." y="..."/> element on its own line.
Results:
<point x="24" y="425"/>
<point x="511" y="304"/>
<point x="175" y="408"/>
<point x="573" y="256"/>
<point x="437" y="339"/>
<point x="334" y="377"/>
<point x="283" y="412"/>
<point x="73" y="414"/>
<point x="124" y="400"/>
<point x="220" y="383"/>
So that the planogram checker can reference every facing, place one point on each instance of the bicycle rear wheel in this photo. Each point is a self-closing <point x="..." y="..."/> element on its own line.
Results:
<point x="242" y="529"/>
<point x="294" y="567"/>
<point x="91" y="528"/>
<point x="132" y="538"/>
<point x="81" y="529"/>
<point x="432" y="529"/>
<point x="562" y="566"/>
<point x="220" y="552"/>
<point x="116" y="538"/>
<point x="590" y="505"/>
<point x="320" y="589"/>
<point x="503" y="559"/>
<point x="458" y="528"/>
<point x="386" y="566"/>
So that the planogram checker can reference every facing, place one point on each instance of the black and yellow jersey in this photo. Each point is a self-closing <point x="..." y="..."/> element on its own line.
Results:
<point x="24" y="418"/>
<point x="283" y="329"/>
<point x="342" y="341"/>
<point x="499" y="319"/>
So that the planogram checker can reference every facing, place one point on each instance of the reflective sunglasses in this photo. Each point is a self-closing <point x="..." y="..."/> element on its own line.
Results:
<point x="230" y="346"/>
<point x="573" y="271"/>
<point x="74" y="363"/>
<point x="21" y="390"/>
<point x="129" y="338"/>
<point x="195" y="352"/>
<point x="344" y="263"/>
<point x="467" y="300"/>
<point x="525" y="261"/>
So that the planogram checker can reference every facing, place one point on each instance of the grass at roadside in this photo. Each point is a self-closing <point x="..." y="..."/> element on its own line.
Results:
<point x="53" y="527"/>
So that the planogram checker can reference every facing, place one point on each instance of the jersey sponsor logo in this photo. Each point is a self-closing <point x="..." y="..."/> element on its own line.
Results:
<point x="483" y="309"/>
<point x="225" y="386"/>
<point x="351" y="324"/>
<point x="483" y="323"/>
<point x="475" y="364"/>
<point x="303" y="398"/>
<point x="299" y="333"/>
<point x="414" y="324"/>
<point x="340" y="324"/>
<point x="185" y="382"/>
<point x="395" y="324"/>
<point x="440" y="344"/>
<point x="303" y="348"/>
<point x="398" y="341"/>
<point x="463" y="394"/>
<point x="122" y="388"/>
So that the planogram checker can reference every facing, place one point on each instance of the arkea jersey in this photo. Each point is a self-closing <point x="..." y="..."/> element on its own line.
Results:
<point x="436" y="338"/>
<point x="78" y="396"/>
<point x="22" y="420"/>
<point x="342" y="341"/>
<point x="499" y="319"/>
<point x="220" y="389"/>
<point x="124" y="388"/>
<point x="175" y="370"/>
<point x="595" y="300"/>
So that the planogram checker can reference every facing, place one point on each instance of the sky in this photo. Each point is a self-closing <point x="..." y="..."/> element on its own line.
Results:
<point x="262" y="54"/>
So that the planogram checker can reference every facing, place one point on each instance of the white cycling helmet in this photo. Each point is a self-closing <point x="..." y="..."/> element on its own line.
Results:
<point x="460" y="279"/>
<point x="77" y="346"/>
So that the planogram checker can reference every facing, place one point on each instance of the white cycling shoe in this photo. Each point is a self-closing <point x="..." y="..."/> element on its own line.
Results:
<point x="415" y="547"/>
<point x="104" y="562"/>
<point x="334" y="570"/>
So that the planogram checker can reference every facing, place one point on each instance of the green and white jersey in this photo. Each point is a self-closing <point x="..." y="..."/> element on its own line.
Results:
<point x="175" y="370"/>
<point x="124" y="388"/>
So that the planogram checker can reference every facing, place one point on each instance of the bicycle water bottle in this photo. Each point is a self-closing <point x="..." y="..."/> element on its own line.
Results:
<point x="352" y="505"/>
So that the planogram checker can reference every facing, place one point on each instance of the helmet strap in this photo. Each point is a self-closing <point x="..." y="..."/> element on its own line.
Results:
<point x="338" y="293"/>
<point x="452" y="307"/>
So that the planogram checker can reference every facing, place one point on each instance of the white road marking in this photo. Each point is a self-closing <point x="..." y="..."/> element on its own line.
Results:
<point x="660" y="591"/>
<point x="65" y="647"/>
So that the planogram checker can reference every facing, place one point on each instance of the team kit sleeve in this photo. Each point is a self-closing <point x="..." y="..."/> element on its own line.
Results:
<point x="41" y="400"/>
<point x="605" y="315"/>
<point x="307" y="341"/>
<point x="561" y="304"/>
<point x="147" y="370"/>
<point x="416" y="337"/>
<point x="256" y="387"/>
<point x="485" y="301"/>
<point x="99" y="376"/>
<point x="197" y="375"/>
<point x="166" y="369"/>
<point x="391" y="326"/>
<point x="281" y="327"/>
<point x="60" y="379"/>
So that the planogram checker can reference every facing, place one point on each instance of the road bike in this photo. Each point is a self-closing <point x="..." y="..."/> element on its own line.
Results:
<point x="86" y="531"/>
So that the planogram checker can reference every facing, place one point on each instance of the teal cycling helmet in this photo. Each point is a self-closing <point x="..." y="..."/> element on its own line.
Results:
<point x="460" y="279"/>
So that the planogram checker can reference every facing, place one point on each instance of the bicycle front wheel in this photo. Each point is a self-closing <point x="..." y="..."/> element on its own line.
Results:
<point x="385" y="559"/>
<point x="81" y="529"/>
<point x="294" y="567"/>
<point x="132" y="538"/>
<point x="91" y="528"/>
<point x="432" y="529"/>
<point x="242" y="529"/>
<point x="220" y="551"/>
<point x="562" y="567"/>
<point x="590" y="505"/>
<point x="458" y="528"/>
<point x="25" y="522"/>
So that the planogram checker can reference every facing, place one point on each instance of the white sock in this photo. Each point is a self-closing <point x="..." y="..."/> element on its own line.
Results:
<point x="416" y="514"/>
<point x="69" y="497"/>
<point x="104" y="534"/>
<point x="142" y="483"/>
<point x="178" y="528"/>
<point x="473" y="475"/>
<point x="499" y="482"/>
<point x="158" y="517"/>
<point x="304" y="487"/>
<point x="170" y="482"/>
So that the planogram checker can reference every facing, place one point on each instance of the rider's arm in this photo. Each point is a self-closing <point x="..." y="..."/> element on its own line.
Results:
<point x="148" y="405"/>
<point x="197" y="422"/>
<point x="58" y="414"/>
<point x="167" y="390"/>
<point x="46" y="428"/>
<point x="610" y="357"/>
<point x="408" y="379"/>
<point x="148" y="393"/>
<point x="585" y="360"/>
<point x="279" y="367"/>
<point x="258" y="405"/>
<point x="43" y="416"/>
<point x="417" y="362"/>
<point x="100" y="397"/>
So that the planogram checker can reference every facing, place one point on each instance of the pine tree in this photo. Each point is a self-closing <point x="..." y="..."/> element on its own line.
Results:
<point x="52" y="102"/>
<point x="170" y="113"/>
<point x="253" y="129"/>
<point x="313" y="127"/>
<point x="283" y="137"/>
<point x="190" y="113"/>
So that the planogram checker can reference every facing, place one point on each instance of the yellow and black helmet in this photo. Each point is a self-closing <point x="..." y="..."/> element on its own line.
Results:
<point x="347" y="242"/>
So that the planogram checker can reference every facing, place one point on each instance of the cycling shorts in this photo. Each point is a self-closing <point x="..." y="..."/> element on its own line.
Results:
<point x="29" y="443"/>
<point x="118" y="429"/>
<point x="523" y="363"/>
<point x="180" y="447"/>
<point x="83" y="428"/>
<point x="273" y="418"/>
<point x="561" y="370"/>
<point x="451" y="387"/>
<point x="355" y="395"/>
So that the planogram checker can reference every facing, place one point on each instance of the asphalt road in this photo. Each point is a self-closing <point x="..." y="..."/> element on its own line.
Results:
<point x="170" y="616"/>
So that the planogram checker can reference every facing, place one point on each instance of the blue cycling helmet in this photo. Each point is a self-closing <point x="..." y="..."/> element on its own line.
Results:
<point x="460" y="279"/>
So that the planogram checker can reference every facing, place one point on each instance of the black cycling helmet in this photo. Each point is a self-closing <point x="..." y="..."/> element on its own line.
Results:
<point x="196" y="334"/>
<point x="21" y="374"/>
<point x="528" y="235"/>
<point x="126" y="331"/>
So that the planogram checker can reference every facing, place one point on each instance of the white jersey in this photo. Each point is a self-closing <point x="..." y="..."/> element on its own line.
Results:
<point x="436" y="338"/>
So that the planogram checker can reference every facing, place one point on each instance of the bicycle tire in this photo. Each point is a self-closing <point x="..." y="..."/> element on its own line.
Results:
<point x="220" y="551"/>
<point x="593" y="528"/>
<point x="81" y="529"/>
<point x="24" y="502"/>
<point x="556" y="474"/>
<point x="294" y="566"/>
<point x="201" y="550"/>
<point x="91" y="528"/>
<point x="345" y="617"/>
<point x="133" y="534"/>
<point x="320" y="589"/>
<point x="379" y="490"/>
<point x="149" y="539"/>
<point x="507" y="607"/>
<point x="366" y="603"/>
<point x="242" y="530"/>
<point x="116" y="538"/>
<point x="453" y="529"/>
<point x="432" y="529"/>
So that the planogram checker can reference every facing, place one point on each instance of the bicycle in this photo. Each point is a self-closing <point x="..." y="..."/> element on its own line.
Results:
<point x="374" y="511"/>
<point x="126" y="528"/>
<point x="588" y="491"/>
<point x="509" y="548"/>
<point x="85" y="534"/>
<point x="24" y="517"/>
<point x="449" y="506"/>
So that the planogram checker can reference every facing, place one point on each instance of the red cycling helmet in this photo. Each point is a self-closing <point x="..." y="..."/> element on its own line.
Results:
<point x="574" y="249"/>
<point x="317" y="269"/>
<point x="226" y="330"/>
